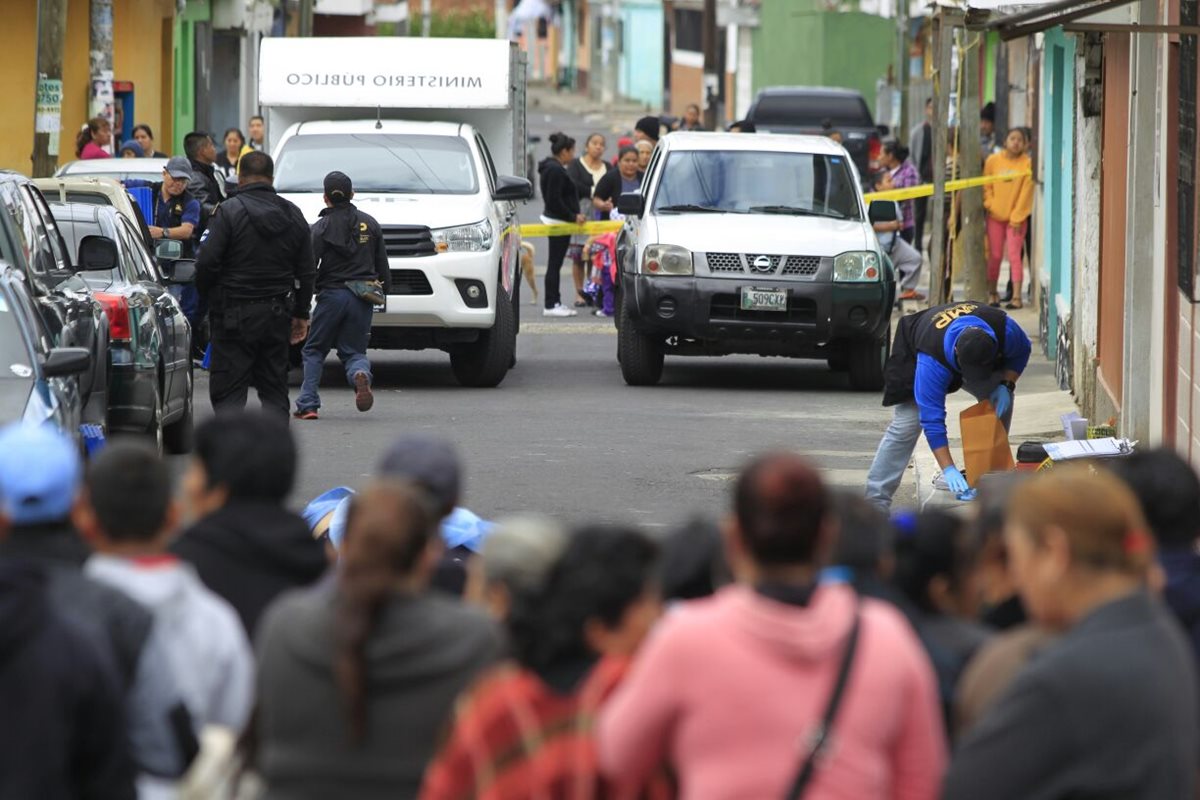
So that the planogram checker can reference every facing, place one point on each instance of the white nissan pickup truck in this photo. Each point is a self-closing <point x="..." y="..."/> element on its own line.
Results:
<point x="431" y="151"/>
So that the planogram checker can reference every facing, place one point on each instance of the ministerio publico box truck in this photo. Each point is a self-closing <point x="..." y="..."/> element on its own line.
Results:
<point x="432" y="134"/>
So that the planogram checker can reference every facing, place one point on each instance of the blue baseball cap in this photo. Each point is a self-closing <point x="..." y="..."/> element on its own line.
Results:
<point x="40" y="473"/>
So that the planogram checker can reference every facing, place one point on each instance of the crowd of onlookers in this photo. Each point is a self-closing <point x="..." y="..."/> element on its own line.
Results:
<point x="206" y="641"/>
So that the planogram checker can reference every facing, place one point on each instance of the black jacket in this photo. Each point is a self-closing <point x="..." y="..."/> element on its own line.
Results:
<point x="348" y="246"/>
<point x="257" y="247"/>
<point x="63" y="735"/>
<point x="609" y="187"/>
<point x="208" y="187"/>
<point x="249" y="553"/>
<point x="1108" y="711"/>
<point x="583" y="179"/>
<point x="560" y="193"/>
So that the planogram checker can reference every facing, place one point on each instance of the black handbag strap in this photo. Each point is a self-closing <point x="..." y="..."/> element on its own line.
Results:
<point x="820" y="738"/>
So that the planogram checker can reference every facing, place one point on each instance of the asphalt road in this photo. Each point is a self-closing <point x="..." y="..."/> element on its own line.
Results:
<point x="564" y="435"/>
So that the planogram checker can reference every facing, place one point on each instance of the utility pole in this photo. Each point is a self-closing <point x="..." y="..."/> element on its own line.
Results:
<point x="426" y="16"/>
<point x="974" y="269"/>
<point x="501" y="16"/>
<point x="304" y="25"/>
<point x="712" y="79"/>
<point x="944" y="23"/>
<point x="47" y="126"/>
<point x="100" y="59"/>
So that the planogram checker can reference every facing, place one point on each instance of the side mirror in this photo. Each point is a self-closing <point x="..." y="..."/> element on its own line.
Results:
<point x="168" y="248"/>
<point x="97" y="253"/>
<point x="631" y="204"/>
<point x="509" y="187"/>
<point x="181" y="270"/>
<point x="64" y="361"/>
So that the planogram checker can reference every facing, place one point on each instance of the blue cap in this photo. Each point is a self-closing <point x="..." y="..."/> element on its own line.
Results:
<point x="320" y="513"/>
<point x="40" y="473"/>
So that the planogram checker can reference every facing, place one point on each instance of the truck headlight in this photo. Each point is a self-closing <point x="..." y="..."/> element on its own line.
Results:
<point x="475" y="238"/>
<point x="857" y="266"/>
<point x="667" y="259"/>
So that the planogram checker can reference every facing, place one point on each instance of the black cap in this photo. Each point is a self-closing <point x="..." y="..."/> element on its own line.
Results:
<point x="338" y="187"/>
<point x="976" y="351"/>
<point x="651" y="126"/>
<point x="426" y="460"/>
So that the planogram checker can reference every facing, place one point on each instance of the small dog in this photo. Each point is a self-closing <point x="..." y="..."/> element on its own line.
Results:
<point x="527" y="269"/>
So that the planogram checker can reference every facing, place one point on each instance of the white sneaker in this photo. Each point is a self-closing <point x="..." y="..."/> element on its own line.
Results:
<point x="559" y="311"/>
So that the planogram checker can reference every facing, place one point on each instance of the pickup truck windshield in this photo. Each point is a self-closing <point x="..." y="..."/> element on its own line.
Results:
<point x="811" y="110"/>
<point x="743" y="181"/>
<point x="378" y="162"/>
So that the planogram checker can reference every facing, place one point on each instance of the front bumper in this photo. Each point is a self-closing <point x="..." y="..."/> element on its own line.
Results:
<point x="427" y="292"/>
<point x="132" y="392"/>
<point x="705" y="312"/>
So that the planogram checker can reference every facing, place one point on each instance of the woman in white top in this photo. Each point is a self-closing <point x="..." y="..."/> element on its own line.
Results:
<point x="586" y="171"/>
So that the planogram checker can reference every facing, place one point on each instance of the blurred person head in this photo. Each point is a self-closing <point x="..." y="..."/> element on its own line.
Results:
<point x="743" y="126"/>
<point x="199" y="146"/>
<point x="562" y="147"/>
<point x="131" y="149"/>
<point x="975" y="352"/>
<point x="645" y="149"/>
<point x="691" y="115"/>
<point x="256" y="129"/>
<point x="628" y="163"/>
<point x="239" y="457"/>
<point x="339" y="188"/>
<point x="600" y="599"/>
<point x="390" y="546"/>
<point x="987" y="119"/>
<point x="516" y="559"/>
<point x="882" y="181"/>
<point x="1076" y="540"/>
<point x="98" y="130"/>
<point x="992" y="575"/>
<point x="929" y="110"/>
<point x="595" y="146"/>
<point x="40" y="477"/>
<point x="431" y="463"/>
<point x="894" y="154"/>
<point x="935" y="566"/>
<point x="127" y="506"/>
<point x="647" y="129"/>
<point x="829" y="131"/>
<point x="782" y="527"/>
<point x="864" y="539"/>
<point x="234" y="141"/>
<point x="256" y="167"/>
<point x="693" y="561"/>
<point x="1168" y="490"/>
<point x="1017" y="142"/>
<point x="144" y="137"/>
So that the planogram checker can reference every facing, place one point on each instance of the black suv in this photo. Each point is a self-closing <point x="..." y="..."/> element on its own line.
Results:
<point x="805" y="109"/>
<point x="31" y="243"/>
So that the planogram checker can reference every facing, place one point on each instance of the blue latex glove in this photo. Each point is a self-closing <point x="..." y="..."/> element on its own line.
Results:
<point x="1001" y="398"/>
<point x="955" y="480"/>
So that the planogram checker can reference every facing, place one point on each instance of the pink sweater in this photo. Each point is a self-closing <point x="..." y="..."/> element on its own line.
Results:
<point x="725" y="688"/>
<point x="91" y="150"/>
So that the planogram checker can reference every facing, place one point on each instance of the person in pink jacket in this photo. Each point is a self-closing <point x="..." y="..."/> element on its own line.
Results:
<point x="729" y="689"/>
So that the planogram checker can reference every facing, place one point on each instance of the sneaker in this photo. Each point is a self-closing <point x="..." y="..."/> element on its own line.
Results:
<point x="559" y="311"/>
<point x="912" y="294"/>
<point x="363" y="399"/>
<point x="306" y="413"/>
<point x="601" y="313"/>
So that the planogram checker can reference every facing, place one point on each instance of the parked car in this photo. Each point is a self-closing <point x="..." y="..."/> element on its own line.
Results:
<point x="751" y="244"/>
<point x="31" y="244"/>
<point x="39" y="382"/>
<point x="805" y="110"/>
<point x="98" y="191"/>
<point x="146" y="169"/>
<point x="150" y="389"/>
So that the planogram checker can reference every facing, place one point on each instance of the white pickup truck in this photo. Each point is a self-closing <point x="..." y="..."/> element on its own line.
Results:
<point x="432" y="152"/>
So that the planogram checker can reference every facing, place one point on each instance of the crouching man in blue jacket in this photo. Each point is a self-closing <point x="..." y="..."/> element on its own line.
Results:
<point x="936" y="352"/>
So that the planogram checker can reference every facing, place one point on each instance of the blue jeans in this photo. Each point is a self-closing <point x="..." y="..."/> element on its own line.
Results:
<point x="900" y="439"/>
<point x="342" y="321"/>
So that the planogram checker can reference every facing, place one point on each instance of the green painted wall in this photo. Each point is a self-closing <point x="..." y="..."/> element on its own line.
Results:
<point x="185" y="69"/>
<point x="798" y="44"/>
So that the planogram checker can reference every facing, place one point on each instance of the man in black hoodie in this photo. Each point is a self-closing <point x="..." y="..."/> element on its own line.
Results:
<point x="204" y="185"/>
<point x="349" y="249"/>
<point x="245" y="545"/>
<point x="255" y="270"/>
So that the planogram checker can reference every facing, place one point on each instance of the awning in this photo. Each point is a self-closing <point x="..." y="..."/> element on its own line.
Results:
<point x="1073" y="15"/>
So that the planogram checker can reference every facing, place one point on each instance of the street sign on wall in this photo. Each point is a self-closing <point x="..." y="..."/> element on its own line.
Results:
<point x="384" y="72"/>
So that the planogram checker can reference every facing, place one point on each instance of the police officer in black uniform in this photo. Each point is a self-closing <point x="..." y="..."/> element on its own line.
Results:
<point x="256" y="272"/>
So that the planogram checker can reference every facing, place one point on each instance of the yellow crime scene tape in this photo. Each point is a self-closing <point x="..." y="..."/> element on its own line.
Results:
<point x="908" y="193"/>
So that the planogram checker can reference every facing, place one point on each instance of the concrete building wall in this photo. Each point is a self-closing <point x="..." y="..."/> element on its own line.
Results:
<point x="1085" y="315"/>
<point x="641" y="75"/>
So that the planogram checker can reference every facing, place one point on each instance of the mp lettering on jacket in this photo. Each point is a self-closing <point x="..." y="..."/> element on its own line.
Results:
<point x="945" y="317"/>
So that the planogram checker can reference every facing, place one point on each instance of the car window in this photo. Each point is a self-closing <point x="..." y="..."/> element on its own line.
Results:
<point x="488" y="164"/>
<point x="91" y="198"/>
<point x="76" y="230"/>
<point x="15" y="357"/>
<point x="42" y="341"/>
<point x="14" y="244"/>
<point x="36" y="243"/>
<point x="141" y="263"/>
<point x="62" y="259"/>
<point x="759" y="181"/>
<point x="812" y="110"/>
